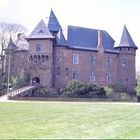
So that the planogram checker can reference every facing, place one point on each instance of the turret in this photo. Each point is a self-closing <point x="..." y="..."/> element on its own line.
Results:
<point x="127" y="49"/>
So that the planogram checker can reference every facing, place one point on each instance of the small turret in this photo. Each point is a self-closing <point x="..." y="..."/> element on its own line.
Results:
<point x="126" y="63"/>
<point x="11" y="46"/>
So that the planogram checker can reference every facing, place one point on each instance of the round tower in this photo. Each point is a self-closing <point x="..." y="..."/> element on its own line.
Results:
<point x="126" y="63"/>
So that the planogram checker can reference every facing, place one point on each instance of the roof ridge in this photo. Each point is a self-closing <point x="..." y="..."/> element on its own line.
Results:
<point x="86" y="28"/>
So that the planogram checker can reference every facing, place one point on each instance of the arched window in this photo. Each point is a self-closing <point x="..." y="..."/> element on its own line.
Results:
<point x="47" y="57"/>
<point x="43" y="58"/>
<point x="92" y="77"/>
<point x="39" y="58"/>
<point x="35" y="59"/>
<point x="31" y="58"/>
<point x="75" y="75"/>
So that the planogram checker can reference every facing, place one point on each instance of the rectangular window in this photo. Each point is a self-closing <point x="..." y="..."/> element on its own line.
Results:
<point x="75" y="59"/>
<point x="35" y="59"/>
<point x="67" y="72"/>
<point x="92" y="60"/>
<point x="58" y="71"/>
<point x="38" y="47"/>
<point x="109" y="77"/>
<point x="109" y="61"/>
<point x="124" y="63"/>
<point x="75" y="75"/>
<point x="92" y="77"/>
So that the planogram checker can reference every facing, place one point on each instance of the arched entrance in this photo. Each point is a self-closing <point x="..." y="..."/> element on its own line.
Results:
<point x="35" y="81"/>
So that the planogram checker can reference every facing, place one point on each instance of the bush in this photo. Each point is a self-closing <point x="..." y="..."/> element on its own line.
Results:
<point x="138" y="88"/>
<point x="109" y="92"/>
<point x="40" y="92"/>
<point x="77" y="89"/>
<point x="119" y="87"/>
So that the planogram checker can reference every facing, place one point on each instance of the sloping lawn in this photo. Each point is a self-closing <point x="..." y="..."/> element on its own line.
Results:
<point x="69" y="120"/>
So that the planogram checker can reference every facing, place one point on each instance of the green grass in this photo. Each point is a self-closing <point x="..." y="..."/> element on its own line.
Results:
<point x="69" y="120"/>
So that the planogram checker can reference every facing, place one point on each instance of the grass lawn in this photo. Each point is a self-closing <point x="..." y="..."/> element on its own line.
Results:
<point x="69" y="120"/>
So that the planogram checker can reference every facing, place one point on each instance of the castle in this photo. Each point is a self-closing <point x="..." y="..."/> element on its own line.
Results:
<point x="50" y="59"/>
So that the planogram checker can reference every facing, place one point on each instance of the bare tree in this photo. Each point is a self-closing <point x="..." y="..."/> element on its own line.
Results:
<point x="7" y="30"/>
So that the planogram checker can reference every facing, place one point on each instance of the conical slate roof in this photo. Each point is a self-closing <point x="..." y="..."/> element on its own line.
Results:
<point x="53" y="23"/>
<point x="40" y="31"/>
<point x="126" y="39"/>
<point x="11" y="45"/>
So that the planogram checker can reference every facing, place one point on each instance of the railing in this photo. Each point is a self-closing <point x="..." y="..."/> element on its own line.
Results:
<point x="3" y="92"/>
<point x="20" y="91"/>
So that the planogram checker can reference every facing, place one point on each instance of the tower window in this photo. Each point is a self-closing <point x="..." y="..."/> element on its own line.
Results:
<point x="47" y="57"/>
<point x="43" y="58"/>
<point x="38" y="47"/>
<point x="75" y="75"/>
<point x="75" y="59"/>
<point x="124" y="63"/>
<point x="54" y="33"/>
<point x="35" y="59"/>
<point x="39" y="58"/>
<point x="30" y="58"/>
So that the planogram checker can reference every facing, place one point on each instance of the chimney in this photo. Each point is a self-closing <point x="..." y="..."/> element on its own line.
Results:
<point x="99" y="39"/>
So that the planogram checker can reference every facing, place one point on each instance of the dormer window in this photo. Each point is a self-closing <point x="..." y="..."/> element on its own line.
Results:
<point x="41" y="31"/>
<point x="54" y="33"/>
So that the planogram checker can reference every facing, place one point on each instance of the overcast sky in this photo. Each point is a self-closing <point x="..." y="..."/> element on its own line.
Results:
<point x="109" y="15"/>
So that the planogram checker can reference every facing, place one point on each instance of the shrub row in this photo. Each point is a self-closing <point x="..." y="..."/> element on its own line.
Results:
<point x="77" y="89"/>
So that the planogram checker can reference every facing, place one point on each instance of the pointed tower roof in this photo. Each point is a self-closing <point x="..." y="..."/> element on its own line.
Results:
<point x="53" y="23"/>
<point x="60" y="39"/>
<point x="126" y="39"/>
<point x="40" y="31"/>
<point x="11" y="45"/>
